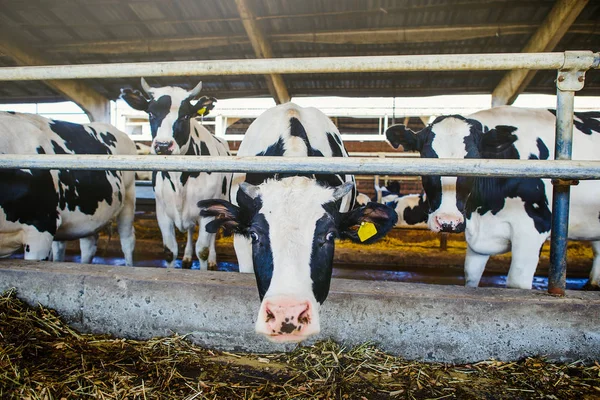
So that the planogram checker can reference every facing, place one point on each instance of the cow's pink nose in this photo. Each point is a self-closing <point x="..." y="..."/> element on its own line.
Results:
<point x="287" y="317"/>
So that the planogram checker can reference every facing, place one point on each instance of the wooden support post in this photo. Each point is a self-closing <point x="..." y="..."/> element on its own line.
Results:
<point x="545" y="39"/>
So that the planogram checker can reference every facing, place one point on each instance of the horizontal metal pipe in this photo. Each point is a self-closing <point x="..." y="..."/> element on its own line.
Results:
<point x="421" y="166"/>
<point x="434" y="62"/>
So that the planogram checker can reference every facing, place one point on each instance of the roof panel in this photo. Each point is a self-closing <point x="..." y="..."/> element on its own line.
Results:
<point x="99" y="31"/>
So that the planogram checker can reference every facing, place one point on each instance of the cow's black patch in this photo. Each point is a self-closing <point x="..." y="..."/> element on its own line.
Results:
<point x="77" y="139"/>
<point x="29" y="198"/>
<point x="321" y="257"/>
<point x="490" y="194"/>
<point x="184" y="176"/>
<point x="204" y="149"/>
<point x="297" y="130"/>
<point x="391" y="188"/>
<point x="498" y="143"/>
<point x="586" y="122"/>
<point x="108" y="138"/>
<point x="417" y="214"/>
<point x="157" y="111"/>
<point x="544" y="153"/>
<point x="224" y="186"/>
<point x="335" y="145"/>
<point x="277" y="149"/>
<point x="165" y="175"/>
<point x="262" y="254"/>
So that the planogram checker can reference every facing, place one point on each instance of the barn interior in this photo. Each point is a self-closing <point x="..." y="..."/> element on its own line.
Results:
<point x="67" y="32"/>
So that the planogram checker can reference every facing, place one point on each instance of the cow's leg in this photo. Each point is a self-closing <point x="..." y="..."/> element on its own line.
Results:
<point x="212" y="254"/>
<point x="594" y="282"/>
<point x="37" y="245"/>
<point x="167" y="229"/>
<point x="88" y="246"/>
<point x="474" y="266"/>
<point x="525" y="257"/>
<point x="125" y="226"/>
<point x="189" y="249"/>
<point x="58" y="251"/>
<point x="205" y="246"/>
<point x="243" y="252"/>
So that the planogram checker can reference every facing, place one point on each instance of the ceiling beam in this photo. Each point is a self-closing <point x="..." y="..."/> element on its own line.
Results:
<point x="262" y="49"/>
<point x="96" y="106"/>
<point x="423" y="34"/>
<point x="552" y="30"/>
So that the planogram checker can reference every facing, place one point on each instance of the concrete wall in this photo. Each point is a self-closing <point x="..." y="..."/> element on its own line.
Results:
<point x="218" y="309"/>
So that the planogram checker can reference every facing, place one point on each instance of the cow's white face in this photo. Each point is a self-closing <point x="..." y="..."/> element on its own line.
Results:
<point x="293" y="223"/>
<point x="453" y="199"/>
<point x="446" y="137"/>
<point x="169" y="112"/>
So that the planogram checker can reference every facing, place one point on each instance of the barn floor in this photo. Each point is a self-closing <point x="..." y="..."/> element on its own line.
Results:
<point x="41" y="357"/>
<point x="406" y="255"/>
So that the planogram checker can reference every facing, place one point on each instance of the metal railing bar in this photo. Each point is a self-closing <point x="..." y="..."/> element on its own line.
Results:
<point x="553" y="169"/>
<point x="431" y="62"/>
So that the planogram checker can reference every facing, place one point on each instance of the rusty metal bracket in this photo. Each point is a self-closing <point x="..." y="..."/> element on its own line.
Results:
<point x="565" y="182"/>
<point x="571" y="76"/>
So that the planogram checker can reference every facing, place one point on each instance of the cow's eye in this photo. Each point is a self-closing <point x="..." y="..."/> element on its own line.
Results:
<point x="330" y="236"/>
<point x="186" y="117"/>
<point x="254" y="236"/>
<point x="150" y="115"/>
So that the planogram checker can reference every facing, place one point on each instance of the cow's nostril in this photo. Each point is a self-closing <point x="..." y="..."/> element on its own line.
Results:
<point x="270" y="316"/>
<point x="304" y="317"/>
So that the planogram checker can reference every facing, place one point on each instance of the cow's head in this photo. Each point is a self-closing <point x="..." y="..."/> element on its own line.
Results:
<point x="293" y="223"/>
<point x="169" y="110"/>
<point x="453" y="137"/>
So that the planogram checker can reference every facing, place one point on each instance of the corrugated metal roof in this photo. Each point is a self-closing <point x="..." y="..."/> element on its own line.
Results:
<point x="103" y="31"/>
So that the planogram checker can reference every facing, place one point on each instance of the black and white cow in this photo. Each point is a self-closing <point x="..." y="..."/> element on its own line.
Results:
<point x="285" y="225"/>
<point x="412" y="209"/>
<point x="505" y="214"/>
<point x="39" y="206"/>
<point x="175" y="130"/>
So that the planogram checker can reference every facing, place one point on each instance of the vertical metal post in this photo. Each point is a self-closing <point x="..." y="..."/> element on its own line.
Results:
<point x="561" y="194"/>
<point x="571" y="78"/>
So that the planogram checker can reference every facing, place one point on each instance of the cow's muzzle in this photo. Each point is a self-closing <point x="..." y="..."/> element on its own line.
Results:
<point x="164" y="148"/>
<point x="287" y="320"/>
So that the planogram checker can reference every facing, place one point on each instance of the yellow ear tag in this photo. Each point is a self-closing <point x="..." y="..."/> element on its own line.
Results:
<point x="366" y="231"/>
<point x="202" y="111"/>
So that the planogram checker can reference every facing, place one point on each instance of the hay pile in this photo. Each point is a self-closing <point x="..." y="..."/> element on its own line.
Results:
<point x="42" y="358"/>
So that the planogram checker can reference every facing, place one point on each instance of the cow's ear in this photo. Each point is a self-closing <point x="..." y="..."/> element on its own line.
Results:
<point x="135" y="99"/>
<point x="203" y="106"/>
<point x="497" y="141"/>
<point x="367" y="224"/>
<point x="226" y="215"/>
<point x="398" y="135"/>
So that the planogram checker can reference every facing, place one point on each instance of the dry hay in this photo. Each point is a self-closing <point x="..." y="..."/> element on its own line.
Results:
<point x="43" y="358"/>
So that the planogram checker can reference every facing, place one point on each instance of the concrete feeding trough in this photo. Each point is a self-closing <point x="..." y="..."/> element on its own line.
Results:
<point x="218" y="310"/>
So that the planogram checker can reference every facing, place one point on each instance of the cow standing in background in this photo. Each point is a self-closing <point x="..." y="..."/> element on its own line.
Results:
<point x="172" y="113"/>
<point x="505" y="214"/>
<point x="285" y="225"/>
<point x="38" y="206"/>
